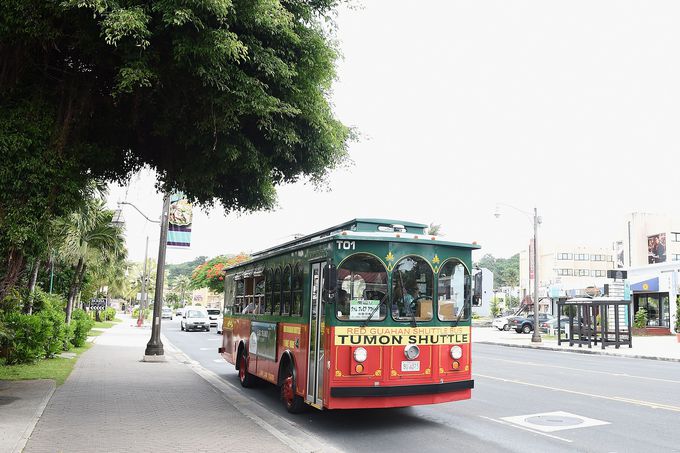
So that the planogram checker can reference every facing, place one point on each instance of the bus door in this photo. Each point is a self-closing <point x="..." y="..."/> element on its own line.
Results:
<point x="316" y="337"/>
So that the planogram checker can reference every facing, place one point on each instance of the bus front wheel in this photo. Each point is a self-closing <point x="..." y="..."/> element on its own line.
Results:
<point x="294" y="403"/>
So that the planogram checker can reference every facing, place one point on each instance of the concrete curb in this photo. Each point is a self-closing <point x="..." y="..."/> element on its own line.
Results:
<point x="581" y="351"/>
<point x="18" y="448"/>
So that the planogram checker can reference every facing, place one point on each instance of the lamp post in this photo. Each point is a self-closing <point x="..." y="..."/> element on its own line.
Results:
<point x="154" y="348"/>
<point x="536" y="337"/>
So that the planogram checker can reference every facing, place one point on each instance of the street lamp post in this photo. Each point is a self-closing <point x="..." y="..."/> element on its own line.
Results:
<point x="536" y="337"/>
<point x="142" y="302"/>
<point x="155" y="347"/>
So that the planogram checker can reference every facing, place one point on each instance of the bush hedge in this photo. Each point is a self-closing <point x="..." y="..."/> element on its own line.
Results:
<point x="109" y="314"/>
<point x="26" y="338"/>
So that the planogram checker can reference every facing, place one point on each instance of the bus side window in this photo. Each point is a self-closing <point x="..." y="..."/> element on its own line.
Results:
<point x="287" y="296"/>
<point x="229" y="294"/>
<point x="276" y="296"/>
<point x="297" y="291"/>
<point x="267" y="291"/>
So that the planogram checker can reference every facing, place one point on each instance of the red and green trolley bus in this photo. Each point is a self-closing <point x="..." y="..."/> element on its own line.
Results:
<point x="371" y="313"/>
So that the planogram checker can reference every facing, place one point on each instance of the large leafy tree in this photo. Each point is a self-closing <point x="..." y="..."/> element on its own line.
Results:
<point x="225" y="99"/>
<point x="211" y="273"/>
<point x="505" y="270"/>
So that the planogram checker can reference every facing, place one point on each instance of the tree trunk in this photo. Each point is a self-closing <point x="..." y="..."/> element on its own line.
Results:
<point x="72" y="291"/>
<point x="15" y="264"/>
<point x="31" y="286"/>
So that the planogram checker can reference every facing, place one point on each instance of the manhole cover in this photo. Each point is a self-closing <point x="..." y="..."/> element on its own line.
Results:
<point x="549" y="422"/>
<point x="554" y="420"/>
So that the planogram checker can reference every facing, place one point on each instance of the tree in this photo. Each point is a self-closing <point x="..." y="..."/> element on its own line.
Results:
<point x="89" y="237"/>
<point x="180" y="286"/>
<point x="224" y="99"/>
<point x="186" y="268"/>
<point x="211" y="273"/>
<point x="434" y="229"/>
<point x="505" y="270"/>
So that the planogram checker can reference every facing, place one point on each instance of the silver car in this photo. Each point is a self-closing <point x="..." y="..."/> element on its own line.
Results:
<point x="214" y="314"/>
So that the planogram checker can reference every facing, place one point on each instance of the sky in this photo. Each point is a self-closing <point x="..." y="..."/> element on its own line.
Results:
<point x="571" y="108"/>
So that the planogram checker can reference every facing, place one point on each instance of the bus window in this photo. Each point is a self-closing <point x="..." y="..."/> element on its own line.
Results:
<point x="259" y="295"/>
<point x="240" y="293"/>
<point x="287" y="296"/>
<point x="412" y="288"/>
<point x="453" y="291"/>
<point x="229" y="294"/>
<point x="276" y="293"/>
<point x="362" y="286"/>
<point x="297" y="291"/>
<point x="268" y="288"/>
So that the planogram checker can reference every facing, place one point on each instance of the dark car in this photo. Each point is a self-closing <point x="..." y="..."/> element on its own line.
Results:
<point x="525" y="324"/>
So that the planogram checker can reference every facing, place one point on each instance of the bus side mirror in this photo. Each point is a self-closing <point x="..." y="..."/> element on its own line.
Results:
<point x="330" y="282"/>
<point x="477" y="291"/>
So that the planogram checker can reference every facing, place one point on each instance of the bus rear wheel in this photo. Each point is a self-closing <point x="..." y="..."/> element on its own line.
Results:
<point x="294" y="403"/>
<point x="246" y="379"/>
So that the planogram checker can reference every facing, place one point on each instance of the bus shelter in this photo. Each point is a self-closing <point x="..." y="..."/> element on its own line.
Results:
<point x="601" y="320"/>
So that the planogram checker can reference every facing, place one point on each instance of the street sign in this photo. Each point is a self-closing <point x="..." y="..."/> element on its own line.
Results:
<point x="98" y="304"/>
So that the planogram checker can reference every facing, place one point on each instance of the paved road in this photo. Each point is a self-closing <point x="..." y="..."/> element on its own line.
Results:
<point x="634" y="404"/>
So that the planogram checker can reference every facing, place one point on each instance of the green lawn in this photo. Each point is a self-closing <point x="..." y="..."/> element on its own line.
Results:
<point x="95" y="333"/>
<point x="57" y="368"/>
<point x="107" y="324"/>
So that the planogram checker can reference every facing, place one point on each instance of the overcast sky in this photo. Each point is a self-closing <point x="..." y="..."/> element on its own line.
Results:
<point x="572" y="107"/>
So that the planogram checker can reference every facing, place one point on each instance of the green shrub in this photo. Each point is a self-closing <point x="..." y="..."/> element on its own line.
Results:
<point x="641" y="318"/>
<point x="109" y="314"/>
<point x="82" y="324"/>
<point x="135" y="313"/>
<point x="26" y="341"/>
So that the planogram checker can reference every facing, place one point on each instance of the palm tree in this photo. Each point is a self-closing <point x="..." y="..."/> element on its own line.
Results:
<point x="88" y="237"/>
<point x="180" y="285"/>
<point x="434" y="229"/>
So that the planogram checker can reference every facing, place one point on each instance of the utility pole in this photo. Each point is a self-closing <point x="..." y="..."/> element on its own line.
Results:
<point x="536" y="337"/>
<point x="142" y="302"/>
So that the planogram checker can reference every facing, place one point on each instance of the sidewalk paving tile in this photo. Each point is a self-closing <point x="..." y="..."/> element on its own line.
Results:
<point x="114" y="402"/>
<point x="21" y="403"/>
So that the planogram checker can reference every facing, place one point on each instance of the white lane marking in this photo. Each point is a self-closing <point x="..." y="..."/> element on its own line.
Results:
<point x="208" y="349"/>
<point x="526" y="429"/>
<point x="560" y="367"/>
<point x="219" y="361"/>
<point x="592" y="395"/>
<point x="214" y="339"/>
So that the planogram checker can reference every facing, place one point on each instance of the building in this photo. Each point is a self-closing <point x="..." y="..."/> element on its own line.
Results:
<point x="565" y="270"/>
<point x="650" y="252"/>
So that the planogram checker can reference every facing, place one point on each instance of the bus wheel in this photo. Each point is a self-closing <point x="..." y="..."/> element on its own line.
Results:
<point x="247" y="379"/>
<point x="294" y="403"/>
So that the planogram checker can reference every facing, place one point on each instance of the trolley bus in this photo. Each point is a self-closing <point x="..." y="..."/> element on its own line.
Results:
<point x="370" y="313"/>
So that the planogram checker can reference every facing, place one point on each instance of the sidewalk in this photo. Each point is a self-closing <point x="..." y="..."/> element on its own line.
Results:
<point x="114" y="402"/>
<point x="656" y="348"/>
<point x="21" y="403"/>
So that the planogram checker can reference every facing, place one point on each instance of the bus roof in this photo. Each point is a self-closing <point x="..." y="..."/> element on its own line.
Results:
<point x="369" y="228"/>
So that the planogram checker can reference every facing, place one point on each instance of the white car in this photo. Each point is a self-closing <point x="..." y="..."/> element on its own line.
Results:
<point x="195" y="318"/>
<point x="501" y="323"/>
<point x="214" y="314"/>
<point x="220" y="320"/>
<point x="166" y="312"/>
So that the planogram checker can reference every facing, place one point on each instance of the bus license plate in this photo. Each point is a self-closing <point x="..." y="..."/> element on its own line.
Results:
<point x="410" y="366"/>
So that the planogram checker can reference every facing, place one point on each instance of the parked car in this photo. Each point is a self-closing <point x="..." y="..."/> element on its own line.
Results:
<point x="501" y="323"/>
<point x="195" y="318"/>
<point x="525" y="324"/>
<point x="179" y="311"/>
<point x="551" y="324"/>
<point x="214" y="314"/>
<point x="166" y="312"/>
<point x="220" y="320"/>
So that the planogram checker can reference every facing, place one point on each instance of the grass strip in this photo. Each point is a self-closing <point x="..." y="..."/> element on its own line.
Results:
<point x="57" y="368"/>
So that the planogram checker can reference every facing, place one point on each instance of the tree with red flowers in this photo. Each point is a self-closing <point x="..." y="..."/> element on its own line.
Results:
<point x="211" y="273"/>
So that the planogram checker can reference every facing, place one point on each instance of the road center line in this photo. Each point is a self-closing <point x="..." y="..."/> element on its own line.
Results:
<point x="560" y="367"/>
<point x="592" y="395"/>
<point x="526" y="429"/>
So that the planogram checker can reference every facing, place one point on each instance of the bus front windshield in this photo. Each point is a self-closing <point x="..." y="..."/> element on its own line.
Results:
<point x="412" y="290"/>
<point x="362" y="289"/>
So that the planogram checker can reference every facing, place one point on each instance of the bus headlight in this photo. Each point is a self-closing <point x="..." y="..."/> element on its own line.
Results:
<point x="456" y="352"/>
<point x="412" y="351"/>
<point x="360" y="354"/>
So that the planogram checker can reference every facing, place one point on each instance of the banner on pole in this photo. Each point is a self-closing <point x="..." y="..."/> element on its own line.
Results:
<point x="180" y="218"/>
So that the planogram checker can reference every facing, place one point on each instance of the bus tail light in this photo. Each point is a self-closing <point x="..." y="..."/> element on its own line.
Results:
<point x="360" y="355"/>
<point x="359" y="368"/>
<point x="455" y="365"/>
<point x="456" y="352"/>
<point x="411" y="352"/>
